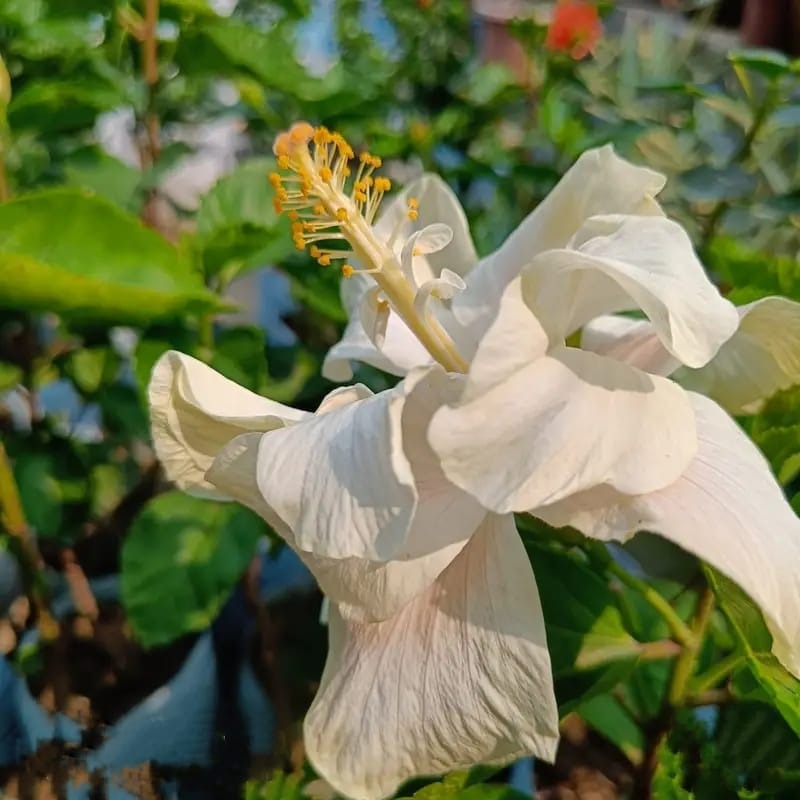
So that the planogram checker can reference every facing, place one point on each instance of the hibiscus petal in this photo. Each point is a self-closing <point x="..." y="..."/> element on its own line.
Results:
<point x="364" y="590"/>
<point x="532" y="428"/>
<point x="620" y="263"/>
<point x="761" y="358"/>
<point x="600" y="182"/>
<point x="726" y="509"/>
<point x="361" y="480"/>
<point x="460" y="676"/>
<point x="633" y="341"/>
<point x="431" y="239"/>
<point x="374" y="315"/>
<point x="195" y="412"/>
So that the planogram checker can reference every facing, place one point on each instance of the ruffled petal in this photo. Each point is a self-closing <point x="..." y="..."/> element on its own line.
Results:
<point x="361" y="481"/>
<point x="195" y="412"/>
<point x="726" y="509"/>
<point x="761" y="358"/>
<point x="600" y="182"/>
<point x="622" y="263"/>
<point x="460" y="676"/>
<point x="532" y="428"/>
<point x="365" y="591"/>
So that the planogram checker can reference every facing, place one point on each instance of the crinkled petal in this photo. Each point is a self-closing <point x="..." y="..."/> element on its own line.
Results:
<point x="361" y="481"/>
<point x="460" y="676"/>
<point x="761" y="358"/>
<point x="600" y="182"/>
<point x="364" y="590"/>
<point x="195" y="412"/>
<point x="633" y="341"/>
<point x="727" y="509"/>
<point x="431" y="239"/>
<point x="621" y="263"/>
<point x="530" y="428"/>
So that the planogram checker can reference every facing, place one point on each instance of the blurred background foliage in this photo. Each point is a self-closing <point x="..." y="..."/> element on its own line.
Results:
<point x="136" y="216"/>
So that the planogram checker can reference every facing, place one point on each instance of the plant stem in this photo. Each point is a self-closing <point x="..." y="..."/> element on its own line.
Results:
<point x="678" y="628"/>
<point x="685" y="663"/>
<point x="150" y="74"/>
<point x="710" y="678"/>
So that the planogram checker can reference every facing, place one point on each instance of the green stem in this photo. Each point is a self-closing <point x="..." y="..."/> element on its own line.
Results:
<point x="720" y="670"/>
<point x="678" y="628"/>
<point x="686" y="661"/>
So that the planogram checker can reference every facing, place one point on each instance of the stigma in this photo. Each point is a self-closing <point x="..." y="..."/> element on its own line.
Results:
<point x="330" y="196"/>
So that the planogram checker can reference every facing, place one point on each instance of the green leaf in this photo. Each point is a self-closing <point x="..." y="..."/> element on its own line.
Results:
<point x="670" y="775"/>
<point x="91" y="367"/>
<point x="707" y="184"/>
<point x="40" y="493"/>
<point x="96" y="171"/>
<point x="762" y="677"/>
<point x="589" y="647"/>
<point x="79" y="255"/>
<point x="236" y="220"/>
<point x="606" y="715"/>
<point x="10" y="376"/>
<point x="180" y="561"/>
<point x="769" y="63"/>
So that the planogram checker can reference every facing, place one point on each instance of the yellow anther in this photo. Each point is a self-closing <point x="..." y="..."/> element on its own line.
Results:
<point x="275" y="179"/>
<point x="301" y="132"/>
<point x="293" y="215"/>
<point x="326" y="174"/>
<point x="413" y="202"/>
<point x="347" y="271"/>
<point x="314" y="251"/>
<point x="365" y="158"/>
<point x="283" y="161"/>
<point x="413" y="214"/>
<point x="318" y="210"/>
<point x="376" y="161"/>
<point x="382" y="184"/>
<point x="299" y="243"/>
<point x="277" y="205"/>
<point x="360" y="197"/>
<point x="324" y="260"/>
<point x="416" y="251"/>
<point x="341" y="214"/>
<point x="282" y="146"/>
<point x="322" y="135"/>
<point x="298" y="228"/>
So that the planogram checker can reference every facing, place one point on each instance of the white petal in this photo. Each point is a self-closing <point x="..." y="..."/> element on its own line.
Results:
<point x="195" y="412"/>
<point x="600" y="182"/>
<point x="401" y="351"/>
<point x="364" y="590"/>
<point x="460" y="676"/>
<point x="633" y="341"/>
<point x="761" y="358"/>
<point x="620" y="263"/>
<point x="361" y="481"/>
<point x="374" y="316"/>
<point x="727" y="509"/>
<point x="563" y="423"/>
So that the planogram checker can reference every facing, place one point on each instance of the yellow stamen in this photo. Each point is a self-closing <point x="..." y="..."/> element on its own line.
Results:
<point x="347" y="271"/>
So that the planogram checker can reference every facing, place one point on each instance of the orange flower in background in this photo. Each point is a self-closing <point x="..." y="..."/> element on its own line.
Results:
<point x="574" y="29"/>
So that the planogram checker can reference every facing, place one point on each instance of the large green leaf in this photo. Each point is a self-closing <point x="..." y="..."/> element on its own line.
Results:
<point x="77" y="254"/>
<point x="180" y="561"/>
<point x="589" y="647"/>
<point x="761" y="677"/>
<point x="237" y="221"/>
